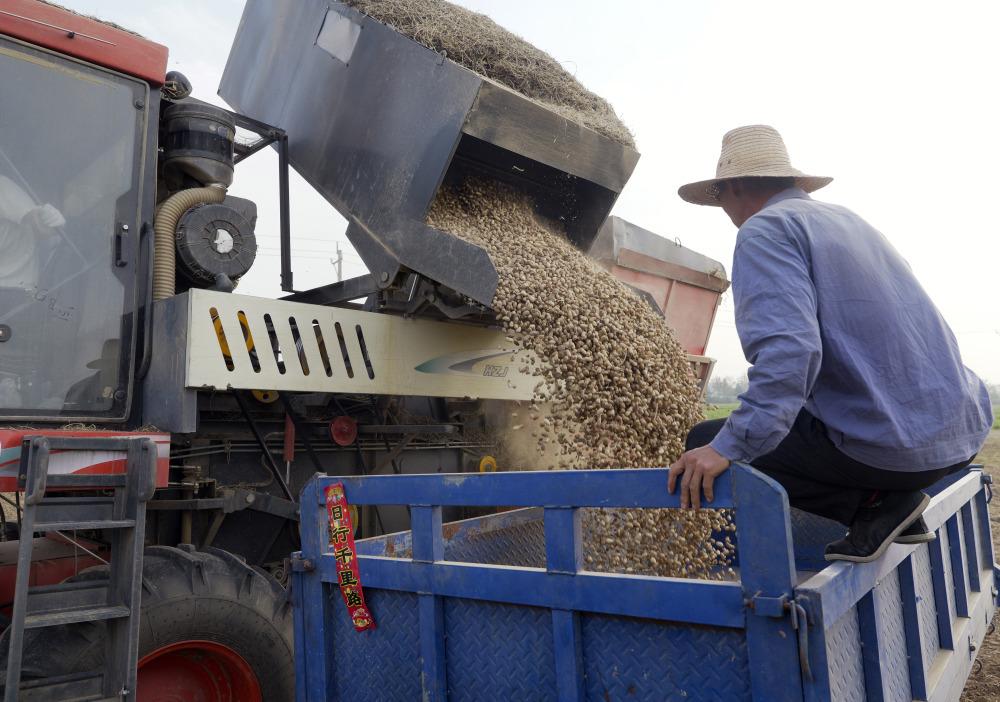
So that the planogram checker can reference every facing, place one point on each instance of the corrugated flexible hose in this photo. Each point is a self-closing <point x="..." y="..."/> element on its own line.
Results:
<point x="165" y="228"/>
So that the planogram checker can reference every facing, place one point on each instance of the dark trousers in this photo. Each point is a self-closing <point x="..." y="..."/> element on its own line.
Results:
<point x="817" y="476"/>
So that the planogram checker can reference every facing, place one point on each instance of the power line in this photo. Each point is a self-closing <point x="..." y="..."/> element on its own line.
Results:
<point x="267" y="251"/>
<point x="275" y="237"/>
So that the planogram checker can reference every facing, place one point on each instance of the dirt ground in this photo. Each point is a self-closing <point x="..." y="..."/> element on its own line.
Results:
<point x="984" y="683"/>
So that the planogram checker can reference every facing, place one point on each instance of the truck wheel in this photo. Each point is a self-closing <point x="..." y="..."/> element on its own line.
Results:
<point x="213" y="629"/>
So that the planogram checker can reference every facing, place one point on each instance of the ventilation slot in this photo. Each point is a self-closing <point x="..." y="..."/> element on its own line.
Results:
<point x="248" y="338"/>
<point x="343" y="350"/>
<point x="275" y="348"/>
<point x="364" y="352"/>
<point x="299" y="346"/>
<point x="220" y="334"/>
<point x="322" y="349"/>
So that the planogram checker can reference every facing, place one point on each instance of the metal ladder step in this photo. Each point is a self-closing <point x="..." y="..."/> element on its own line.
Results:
<point x="86" y="480"/>
<point x="67" y="603"/>
<point x="64" y="502"/>
<point x="82" y="593"/>
<point x="78" y="687"/>
<point x="114" y="598"/>
<point x="74" y="615"/>
<point x="89" y="524"/>
<point x="82" y="509"/>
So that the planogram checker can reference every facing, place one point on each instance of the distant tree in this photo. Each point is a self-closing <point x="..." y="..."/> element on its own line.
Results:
<point x="722" y="390"/>
<point x="994" y="393"/>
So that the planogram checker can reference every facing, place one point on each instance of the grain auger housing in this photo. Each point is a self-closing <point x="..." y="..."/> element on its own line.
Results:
<point x="377" y="123"/>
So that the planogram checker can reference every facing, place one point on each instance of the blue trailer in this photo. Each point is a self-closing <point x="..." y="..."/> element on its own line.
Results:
<point x="500" y="607"/>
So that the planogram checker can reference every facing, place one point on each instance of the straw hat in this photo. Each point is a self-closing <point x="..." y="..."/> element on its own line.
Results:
<point x="753" y="151"/>
<point x="109" y="360"/>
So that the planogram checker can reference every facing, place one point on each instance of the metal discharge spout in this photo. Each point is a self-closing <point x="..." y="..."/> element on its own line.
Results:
<point x="377" y="123"/>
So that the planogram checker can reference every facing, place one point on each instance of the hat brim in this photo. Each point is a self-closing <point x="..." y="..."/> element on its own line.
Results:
<point x="704" y="192"/>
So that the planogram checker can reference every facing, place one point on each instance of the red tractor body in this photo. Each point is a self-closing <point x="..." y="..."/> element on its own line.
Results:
<point x="81" y="37"/>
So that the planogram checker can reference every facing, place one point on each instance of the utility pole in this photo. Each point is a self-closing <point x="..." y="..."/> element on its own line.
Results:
<point x="339" y="263"/>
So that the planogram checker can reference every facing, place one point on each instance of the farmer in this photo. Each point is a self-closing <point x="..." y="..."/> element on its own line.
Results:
<point x="858" y="399"/>
<point x="27" y="231"/>
<point x="23" y="223"/>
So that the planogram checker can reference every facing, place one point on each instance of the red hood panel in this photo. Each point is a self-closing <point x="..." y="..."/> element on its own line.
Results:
<point x="81" y="37"/>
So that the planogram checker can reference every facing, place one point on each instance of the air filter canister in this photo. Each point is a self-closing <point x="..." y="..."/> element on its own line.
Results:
<point x="197" y="141"/>
<point x="216" y="240"/>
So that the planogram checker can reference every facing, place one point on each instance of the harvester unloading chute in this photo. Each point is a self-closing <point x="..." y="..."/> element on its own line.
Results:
<point x="377" y="123"/>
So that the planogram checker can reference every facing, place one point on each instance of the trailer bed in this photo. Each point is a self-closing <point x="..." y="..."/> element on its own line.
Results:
<point x="500" y="608"/>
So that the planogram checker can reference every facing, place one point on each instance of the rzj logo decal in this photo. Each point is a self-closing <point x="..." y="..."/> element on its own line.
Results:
<point x="468" y="363"/>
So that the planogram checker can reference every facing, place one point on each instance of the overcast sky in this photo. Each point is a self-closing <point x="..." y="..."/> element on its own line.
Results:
<point x="895" y="100"/>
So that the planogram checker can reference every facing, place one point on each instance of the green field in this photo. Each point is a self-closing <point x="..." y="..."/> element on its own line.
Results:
<point x="720" y="411"/>
<point x="996" y="416"/>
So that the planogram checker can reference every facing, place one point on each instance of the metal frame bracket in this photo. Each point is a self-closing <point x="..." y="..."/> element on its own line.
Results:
<point x="778" y="608"/>
<point x="774" y="607"/>
<point x="300" y="564"/>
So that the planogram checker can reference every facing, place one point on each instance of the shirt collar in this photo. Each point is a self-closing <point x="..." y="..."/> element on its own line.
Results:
<point x="788" y="194"/>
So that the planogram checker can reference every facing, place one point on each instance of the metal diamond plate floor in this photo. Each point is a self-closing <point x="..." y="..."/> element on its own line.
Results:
<point x="389" y="660"/>
<point x="843" y="653"/>
<point x="498" y="652"/>
<point x="893" y="643"/>
<point x="646" y="661"/>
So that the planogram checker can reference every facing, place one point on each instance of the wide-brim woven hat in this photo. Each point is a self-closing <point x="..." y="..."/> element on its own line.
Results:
<point x="753" y="151"/>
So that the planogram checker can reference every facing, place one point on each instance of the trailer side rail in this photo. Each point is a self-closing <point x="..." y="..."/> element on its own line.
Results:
<point x="765" y="645"/>
<point x="454" y="624"/>
<point x="917" y="615"/>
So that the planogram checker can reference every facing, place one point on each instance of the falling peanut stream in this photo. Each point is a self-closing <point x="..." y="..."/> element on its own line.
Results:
<point x="618" y="391"/>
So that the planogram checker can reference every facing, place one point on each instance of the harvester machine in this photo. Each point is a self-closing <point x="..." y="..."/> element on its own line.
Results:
<point x="157" y="427"/>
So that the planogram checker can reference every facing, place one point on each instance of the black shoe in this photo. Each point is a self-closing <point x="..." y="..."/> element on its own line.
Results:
<point x="875" y="527"/>
<point x="916" y="533"/>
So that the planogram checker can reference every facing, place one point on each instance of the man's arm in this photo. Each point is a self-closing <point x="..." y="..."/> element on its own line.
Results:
<point x="776" y="319"/>
<point x="777" y="322"/>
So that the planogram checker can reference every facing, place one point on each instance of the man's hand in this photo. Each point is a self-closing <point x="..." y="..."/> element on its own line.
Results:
<point x="46" y="216"/>
<point x="700" y="467"/>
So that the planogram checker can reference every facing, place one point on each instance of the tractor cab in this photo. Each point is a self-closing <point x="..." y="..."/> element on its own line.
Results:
<point x="73" y="158"/>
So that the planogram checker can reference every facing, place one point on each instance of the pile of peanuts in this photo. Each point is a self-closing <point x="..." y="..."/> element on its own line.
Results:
<point x="617" y="389"/>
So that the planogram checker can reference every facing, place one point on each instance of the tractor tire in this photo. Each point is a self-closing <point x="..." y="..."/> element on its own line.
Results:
<point x="212" y="629"/>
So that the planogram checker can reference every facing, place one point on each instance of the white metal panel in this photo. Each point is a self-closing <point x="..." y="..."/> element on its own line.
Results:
<point x="311" y="350"/>
<point x="338" y="36"/>
<point x="407" y="356"/>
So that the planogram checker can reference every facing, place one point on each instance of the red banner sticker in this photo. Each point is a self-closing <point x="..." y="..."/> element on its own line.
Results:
<point x="342" y="547"/>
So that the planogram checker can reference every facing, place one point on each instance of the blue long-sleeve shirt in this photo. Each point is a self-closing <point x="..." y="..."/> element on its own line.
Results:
<point x="832" y="319"/>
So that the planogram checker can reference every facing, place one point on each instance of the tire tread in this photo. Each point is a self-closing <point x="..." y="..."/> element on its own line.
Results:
<point x="211" y="587"/>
